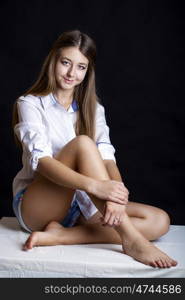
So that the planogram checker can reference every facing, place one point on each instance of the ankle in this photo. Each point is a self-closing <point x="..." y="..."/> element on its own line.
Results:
<point x="124" y="224"/>
<point x="126" y="229"/>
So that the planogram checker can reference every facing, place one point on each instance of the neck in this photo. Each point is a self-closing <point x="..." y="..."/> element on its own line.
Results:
<point x="64" y="97"/>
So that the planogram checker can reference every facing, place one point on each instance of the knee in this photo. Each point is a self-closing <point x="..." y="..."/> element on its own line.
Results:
<point x="83" y="141"/>
<point x="161" y="222"/>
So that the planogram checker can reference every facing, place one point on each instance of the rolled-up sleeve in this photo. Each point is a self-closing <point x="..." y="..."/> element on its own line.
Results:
<point x="32" y="133"/>
<point x="102" y="137"/>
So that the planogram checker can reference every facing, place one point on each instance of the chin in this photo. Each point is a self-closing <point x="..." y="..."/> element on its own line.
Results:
<point x="65" y="87"/>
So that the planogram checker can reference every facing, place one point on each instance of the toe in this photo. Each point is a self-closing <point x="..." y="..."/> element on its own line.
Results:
<point x="26" y="246"/>
<point x="173" y="262"/>
<point x="159" y="263"/>
<point x="32" y="240"/>
<point x="165" y="265"/>
<point x="29" y="243"/>
<point x="153" y="264"/>
<point x="169" y="264"/>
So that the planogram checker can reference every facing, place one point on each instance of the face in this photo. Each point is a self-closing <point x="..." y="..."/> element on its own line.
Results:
<point x="71" y="68"/>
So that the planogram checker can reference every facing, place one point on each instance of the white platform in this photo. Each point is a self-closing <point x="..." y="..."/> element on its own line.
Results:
<point x="98" y="260"/>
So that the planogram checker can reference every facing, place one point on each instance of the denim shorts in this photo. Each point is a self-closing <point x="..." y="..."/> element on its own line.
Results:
<point x="69" y="220"/>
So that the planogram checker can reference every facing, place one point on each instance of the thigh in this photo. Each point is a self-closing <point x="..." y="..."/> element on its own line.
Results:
<point x="45" y="201"/>
<point x="140" y="210"/>
<point x="133" y="209"/>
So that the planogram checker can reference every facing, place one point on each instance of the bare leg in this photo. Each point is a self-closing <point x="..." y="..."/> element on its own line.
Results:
<point x="134" y="243"/>
<point x="143" y="217"/>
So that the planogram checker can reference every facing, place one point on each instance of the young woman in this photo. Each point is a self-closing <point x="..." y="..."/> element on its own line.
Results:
<point x="70" y="185"/>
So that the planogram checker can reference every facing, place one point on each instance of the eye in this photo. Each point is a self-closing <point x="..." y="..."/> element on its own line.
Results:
<point x="82" y="67"/>
<point x="65" y="62"/>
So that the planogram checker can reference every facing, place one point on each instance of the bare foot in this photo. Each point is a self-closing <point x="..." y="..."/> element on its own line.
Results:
<point x="136" y="246"/>
<point x="145" y="252"/>
<point x="52" y="235"/>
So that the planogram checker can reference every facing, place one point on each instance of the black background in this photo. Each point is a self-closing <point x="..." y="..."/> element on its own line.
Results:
<point x="140" y="80"/>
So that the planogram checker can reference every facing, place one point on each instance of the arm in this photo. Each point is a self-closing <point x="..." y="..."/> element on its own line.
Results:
<point x="114" y="174"/>
<point x="102" y="137"/>
<point x="60" y="174"/>
<point x="36" y="142"/>
<point x="113" y="210"/>
<point x="112" y="170"/>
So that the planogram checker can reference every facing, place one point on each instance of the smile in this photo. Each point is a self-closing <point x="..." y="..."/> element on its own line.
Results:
<point x="68" y="80"/>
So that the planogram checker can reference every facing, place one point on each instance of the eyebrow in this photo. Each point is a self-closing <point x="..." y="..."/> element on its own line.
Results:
<point x="64" y="57"/>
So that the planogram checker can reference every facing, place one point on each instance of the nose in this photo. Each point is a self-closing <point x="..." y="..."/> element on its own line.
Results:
<point x="71" y="71"/>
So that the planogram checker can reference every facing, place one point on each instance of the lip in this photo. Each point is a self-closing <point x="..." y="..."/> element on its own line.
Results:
<point x="68" y="80"/>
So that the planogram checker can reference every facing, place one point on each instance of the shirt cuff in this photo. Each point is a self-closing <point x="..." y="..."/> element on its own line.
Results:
<point x="107" y="151"/>
<point x="36" y="155"/>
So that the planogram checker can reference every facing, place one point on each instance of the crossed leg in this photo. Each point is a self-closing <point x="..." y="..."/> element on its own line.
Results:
<point x="45" y="204"/>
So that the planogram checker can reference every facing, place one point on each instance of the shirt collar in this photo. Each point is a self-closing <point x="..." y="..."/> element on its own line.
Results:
<point x="50" y="100"/>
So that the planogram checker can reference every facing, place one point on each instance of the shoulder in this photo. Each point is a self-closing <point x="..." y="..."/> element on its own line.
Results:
<point x="100" y="112"/>
<point x="100" y="109"/>
<point x="30" y="99"/>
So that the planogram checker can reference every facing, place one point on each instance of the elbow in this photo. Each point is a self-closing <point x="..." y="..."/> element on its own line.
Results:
<point x="43" y="163"/>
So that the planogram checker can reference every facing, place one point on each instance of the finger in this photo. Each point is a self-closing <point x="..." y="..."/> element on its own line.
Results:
<point x="122" y="186"/>
<point x="121" y="197"/>
<point x="101" y="219"/>
<point x="118" y="182"/>
<point x="123" y="190"/>
<point x="111" y="220"/>
<point x="121" y="193"/>
<point x="116" y="200"/>
<point x="120" y="220"/>
<point x="103" y="215"/>
<point x="106" y="217"/>
<point x="104" y="210"/>
<point x="121" y="202"/>
<point x="116" y="221"/>
<point x="125" y="201"/>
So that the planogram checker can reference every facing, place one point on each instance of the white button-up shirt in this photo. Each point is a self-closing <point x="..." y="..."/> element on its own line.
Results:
<point x="45" y="127"/>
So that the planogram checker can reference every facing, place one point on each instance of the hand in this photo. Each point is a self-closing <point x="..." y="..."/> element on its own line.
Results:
<point x="110" y="190"/>
<point x="113" y="214"/>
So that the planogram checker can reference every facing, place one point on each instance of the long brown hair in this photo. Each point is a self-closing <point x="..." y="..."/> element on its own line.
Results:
<point x="84" y="93"/>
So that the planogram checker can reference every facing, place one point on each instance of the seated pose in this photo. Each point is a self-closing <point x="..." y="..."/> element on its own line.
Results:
<point x="70" y="190"/>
